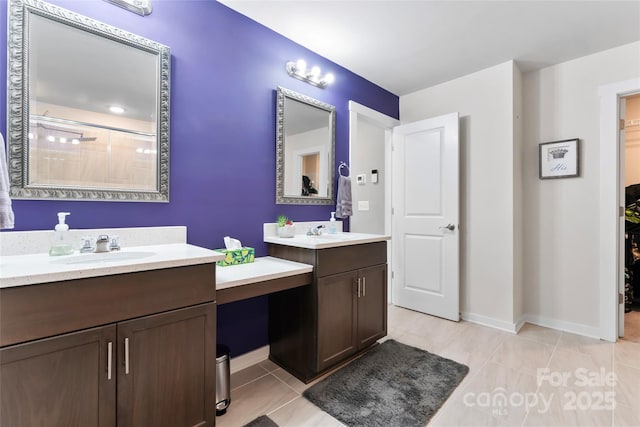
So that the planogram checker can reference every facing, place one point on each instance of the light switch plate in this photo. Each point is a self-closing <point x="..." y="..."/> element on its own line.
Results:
<point x="363" y="205"/>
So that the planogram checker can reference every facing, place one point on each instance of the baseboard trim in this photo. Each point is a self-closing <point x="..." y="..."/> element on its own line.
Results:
<point x="561" y="325"/>
<point x="479" y="319"/>
<point x="243" y="361"/>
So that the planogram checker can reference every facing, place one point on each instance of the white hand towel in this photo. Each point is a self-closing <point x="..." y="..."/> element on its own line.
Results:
<point x="6" y="212"/>
<point x="343" y="199"/>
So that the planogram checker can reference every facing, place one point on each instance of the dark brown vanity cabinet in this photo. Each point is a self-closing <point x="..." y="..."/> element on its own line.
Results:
<point x="60" y="381"/>
<point x="152" y="370"/>
<point x="314" y="328"/>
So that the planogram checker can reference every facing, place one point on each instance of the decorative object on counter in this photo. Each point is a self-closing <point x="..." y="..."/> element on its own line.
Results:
<point x="61" y="241"/>
<point x="286" y="227"/>
<point x="244" y="255"/>
<point x="392" y="385"/>
<point x="560" y="159"/>
<point x="6" y="212"/>
<point x="312" y="76"/>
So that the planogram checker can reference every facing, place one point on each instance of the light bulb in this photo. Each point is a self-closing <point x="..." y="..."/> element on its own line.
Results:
<point x="329" y="78"/>
<point x="75" y="141"/>
<point x="51" y="138"/>
<point x="315" y="71"/>
<point x="139" y="150"/>
<point x="301" y="66"/>
<point x="31" y="136"/>
<point x="63" y="140"/>
<point x="116" y="109"/>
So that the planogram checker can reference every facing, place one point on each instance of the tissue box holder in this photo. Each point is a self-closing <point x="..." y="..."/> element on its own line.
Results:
<point x="236" y="256"/>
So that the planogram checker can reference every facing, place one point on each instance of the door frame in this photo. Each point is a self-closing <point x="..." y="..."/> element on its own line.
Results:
<point x="610" y="230"/>
<point x="359" y="112"/>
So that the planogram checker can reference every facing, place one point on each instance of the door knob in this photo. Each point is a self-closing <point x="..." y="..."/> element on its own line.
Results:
<point x="449" y="227"/>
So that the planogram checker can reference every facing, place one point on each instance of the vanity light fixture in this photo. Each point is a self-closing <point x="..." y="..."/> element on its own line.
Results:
<point x="313" y="76"/>
<point x="141" y="7"/>
<point x="116" y="109"/>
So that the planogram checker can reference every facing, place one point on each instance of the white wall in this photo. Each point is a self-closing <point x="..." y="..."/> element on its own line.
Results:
<point x="368" y="153"/>
<point x="298" y="145"/>
<point x="485" y="101"/>
<point x="562" y="216"/>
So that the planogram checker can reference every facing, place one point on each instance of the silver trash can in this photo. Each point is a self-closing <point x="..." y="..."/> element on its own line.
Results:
<point x="223" y="380"/>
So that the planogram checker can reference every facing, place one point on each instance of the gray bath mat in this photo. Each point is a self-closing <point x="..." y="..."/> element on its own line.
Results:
<point x="261" y="421"/>
<point x="392" y="385"/>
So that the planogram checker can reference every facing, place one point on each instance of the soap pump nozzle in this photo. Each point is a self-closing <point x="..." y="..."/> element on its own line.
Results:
<point x="62" y="216"/>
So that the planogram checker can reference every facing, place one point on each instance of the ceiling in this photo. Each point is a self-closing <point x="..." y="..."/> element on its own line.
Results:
<point x="404" y="46"/>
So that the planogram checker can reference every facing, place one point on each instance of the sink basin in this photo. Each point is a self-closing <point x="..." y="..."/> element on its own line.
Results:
<point x="337" y="236"/>
<point x="106" y="257"/>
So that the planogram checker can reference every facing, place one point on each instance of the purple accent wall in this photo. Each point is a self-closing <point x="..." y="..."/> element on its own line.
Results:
<point x="224" y="72"/>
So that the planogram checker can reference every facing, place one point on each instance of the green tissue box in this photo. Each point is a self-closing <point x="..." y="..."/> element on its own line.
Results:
<point x="236" y="256"/>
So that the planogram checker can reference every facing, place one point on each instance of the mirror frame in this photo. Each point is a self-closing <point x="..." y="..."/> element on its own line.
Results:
<point x="281" y="198"/>
<point x="18" y="105"/>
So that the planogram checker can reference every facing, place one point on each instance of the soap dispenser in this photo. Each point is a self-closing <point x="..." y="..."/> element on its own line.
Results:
<point x="332" y="224"/>
<point x="61" y="241"/>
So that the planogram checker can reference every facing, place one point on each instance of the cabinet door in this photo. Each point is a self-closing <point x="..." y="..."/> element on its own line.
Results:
<point x="166" y="373"/>
<point x="61" y="381"/>
<point x="372" y="305"/>
<point x="336" y="318"/>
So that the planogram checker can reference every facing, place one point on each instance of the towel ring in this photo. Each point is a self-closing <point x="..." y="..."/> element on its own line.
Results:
<point x="343" y="165"/>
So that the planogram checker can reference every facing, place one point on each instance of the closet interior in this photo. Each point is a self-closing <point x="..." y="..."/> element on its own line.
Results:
<point x="632" y="219"/>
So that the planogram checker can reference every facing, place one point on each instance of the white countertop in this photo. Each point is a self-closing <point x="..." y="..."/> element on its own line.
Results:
<point x="262" y="269"/>
<point x="18" y="270"/>
<point x="326" y="240"/>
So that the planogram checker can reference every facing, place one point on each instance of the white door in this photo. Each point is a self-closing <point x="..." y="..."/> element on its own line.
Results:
<point x="425" y="237"/>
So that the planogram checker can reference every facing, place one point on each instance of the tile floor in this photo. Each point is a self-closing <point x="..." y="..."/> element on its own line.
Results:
<point x="504" y="386"/>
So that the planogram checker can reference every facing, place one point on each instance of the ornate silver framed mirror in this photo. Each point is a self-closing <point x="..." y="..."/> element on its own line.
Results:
<point x="305" y="149"/>
<point x="88" y="108"/>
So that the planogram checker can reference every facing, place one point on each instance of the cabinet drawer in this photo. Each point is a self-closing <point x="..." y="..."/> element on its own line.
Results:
<point x="38" y="311"/>
<point x="347" y="258"/>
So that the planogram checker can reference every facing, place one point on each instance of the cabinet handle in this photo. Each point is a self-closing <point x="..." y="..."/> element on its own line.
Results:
<point x="109" y="359"/>
<point x="359" y="287"/>
<point x="126" y="356"/>
<point x="364" y="286"/>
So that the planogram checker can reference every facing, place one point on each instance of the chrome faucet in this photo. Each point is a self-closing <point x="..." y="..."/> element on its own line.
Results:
<point x="87" y="245"/>
<point x="102" y="243"/>
<point x="315" y="231"/>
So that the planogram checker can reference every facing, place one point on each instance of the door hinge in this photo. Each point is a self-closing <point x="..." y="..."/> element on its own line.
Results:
<point x="392" y="274"/>
<point x="621" y="211"/>
<point x="392" y="211"/>
<point x="620" y="298"/>
<point x="621" y="124"/>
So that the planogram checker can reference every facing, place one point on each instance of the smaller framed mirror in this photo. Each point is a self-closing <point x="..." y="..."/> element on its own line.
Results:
<point x="305" y="149"/>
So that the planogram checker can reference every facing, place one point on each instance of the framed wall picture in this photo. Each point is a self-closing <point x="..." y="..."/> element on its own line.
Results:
<point x="560" y="159"/>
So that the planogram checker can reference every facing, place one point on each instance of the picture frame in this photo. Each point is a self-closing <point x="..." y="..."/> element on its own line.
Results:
<point x="560" y="159"/>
